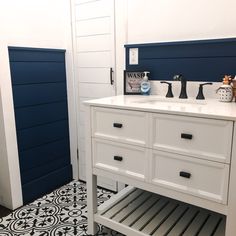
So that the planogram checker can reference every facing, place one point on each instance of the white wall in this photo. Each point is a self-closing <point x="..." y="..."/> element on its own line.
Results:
<point x="29" y="23"/>
<point x="4" y="172"/>
<point x="148" y="21"/>
<point x="171" y="20"/>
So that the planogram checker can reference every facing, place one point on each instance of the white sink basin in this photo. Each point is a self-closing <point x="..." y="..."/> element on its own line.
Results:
<point x="149" y="100"/>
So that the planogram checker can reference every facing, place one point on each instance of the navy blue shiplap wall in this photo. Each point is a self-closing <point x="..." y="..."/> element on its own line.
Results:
<point x="41" y="114"/>
<point x="202" y="60"/>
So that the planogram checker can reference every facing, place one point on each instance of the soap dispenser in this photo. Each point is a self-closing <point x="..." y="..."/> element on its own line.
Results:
<point x="145" y="84"/>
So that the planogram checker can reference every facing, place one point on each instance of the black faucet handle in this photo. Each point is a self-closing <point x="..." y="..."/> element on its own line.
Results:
<point x="165" y="82"/>
<point x="208" y="83"/>
<point x="200" y="95"/>
<point x="169" y="92"/>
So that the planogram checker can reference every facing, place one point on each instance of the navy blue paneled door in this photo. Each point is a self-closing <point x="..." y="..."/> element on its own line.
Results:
<point x="41" y="115"/>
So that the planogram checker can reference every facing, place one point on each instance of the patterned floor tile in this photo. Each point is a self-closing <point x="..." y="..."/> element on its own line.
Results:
<point x="60" y="213"/>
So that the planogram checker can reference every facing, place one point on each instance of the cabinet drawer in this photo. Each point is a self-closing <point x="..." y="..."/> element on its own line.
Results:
<point x="120" y="125"/>
<point x="199" y="137"/>
<point x="202" y="178"/>
<point x="120" y="158"/>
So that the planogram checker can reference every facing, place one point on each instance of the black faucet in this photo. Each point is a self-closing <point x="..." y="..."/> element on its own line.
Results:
<point x="200" y="91"/>
<point x="169" y="92"/>
<point x="183" y="92"/>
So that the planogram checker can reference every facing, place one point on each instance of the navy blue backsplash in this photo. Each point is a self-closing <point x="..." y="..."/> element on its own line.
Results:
<point x="201" y="60"/>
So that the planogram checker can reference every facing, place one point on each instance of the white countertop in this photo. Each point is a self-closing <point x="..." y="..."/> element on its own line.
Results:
<point x="209" y="108"/>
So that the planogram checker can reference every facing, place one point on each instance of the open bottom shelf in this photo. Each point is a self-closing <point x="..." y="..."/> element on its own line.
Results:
<point x="136" y="212"/>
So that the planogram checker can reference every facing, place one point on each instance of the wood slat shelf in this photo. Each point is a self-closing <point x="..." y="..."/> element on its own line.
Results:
<point x="137" y="212"/>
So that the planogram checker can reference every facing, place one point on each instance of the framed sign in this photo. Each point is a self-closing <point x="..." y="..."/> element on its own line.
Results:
<point x="132" y="82"/>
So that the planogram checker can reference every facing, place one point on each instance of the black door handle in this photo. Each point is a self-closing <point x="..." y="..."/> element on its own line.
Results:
<point x="118" y="158"/>
<point x="117" y="125"/>
<point x="185" y="174"/>
<point x="186" y="136"/>
<point x="111" y="76"/>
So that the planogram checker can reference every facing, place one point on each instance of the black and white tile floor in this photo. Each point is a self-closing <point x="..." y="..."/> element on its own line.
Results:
<point x="60" y="213"/>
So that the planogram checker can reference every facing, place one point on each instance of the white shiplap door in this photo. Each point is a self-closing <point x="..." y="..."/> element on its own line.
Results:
<point x="94" y="54"/>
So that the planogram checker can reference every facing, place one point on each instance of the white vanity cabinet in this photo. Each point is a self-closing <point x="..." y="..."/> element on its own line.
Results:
<point x="179" y="164"/>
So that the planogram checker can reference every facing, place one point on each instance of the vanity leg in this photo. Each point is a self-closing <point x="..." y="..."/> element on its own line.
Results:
<point x="92" y="203"/>
<point x="231" y="216"/>
<point x="90" y="178"/>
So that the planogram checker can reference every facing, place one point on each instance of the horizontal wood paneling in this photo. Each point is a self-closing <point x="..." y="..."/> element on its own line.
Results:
<point x="44" y="154"/>
<point x="203" y="60"/>
<point x="94" y="43"/>
<point x="42" y="170"/>
<point x="35" y="54"/>
<point x="37" y="72"/>
<point x="39" y="135"/>
<point x="200" y="48"/>
<point x="40" y="114"/>
<point x="95" y="90"/>
<point x="93" y="9"/>
<point x="83" y="1"/>
<point x="35" y="94"/>
<point x="93" y="26"/>
<point x="94" y="37"/>
<point x="95" y="59"/>
<point x="194" y="69"/>
<point x="94" y="75"/>
<point x="47" y="183"/>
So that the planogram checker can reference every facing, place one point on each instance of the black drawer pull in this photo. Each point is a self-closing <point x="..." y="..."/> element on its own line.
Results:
<point x="117" y="125"/>
<point x="185" y="174"/>
<point x="186" y="136"/>
<point x="118" y="158"/>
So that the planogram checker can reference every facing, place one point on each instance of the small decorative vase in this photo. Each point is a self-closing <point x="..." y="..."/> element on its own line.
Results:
<point x="234" y="88"/>
<point x="225" y="93"/>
